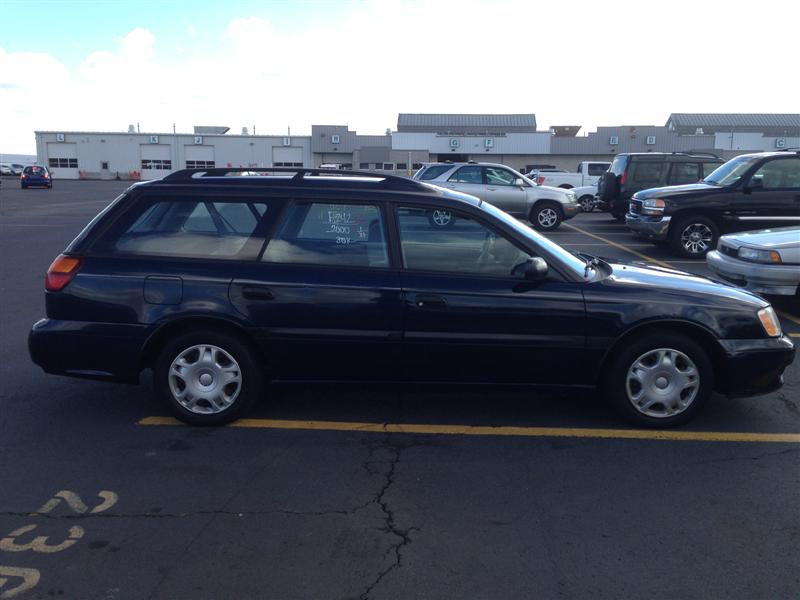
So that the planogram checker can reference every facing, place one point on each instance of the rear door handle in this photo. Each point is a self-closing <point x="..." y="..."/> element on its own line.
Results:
<point x="435" y="302"/>
<point x="252" y="292"/>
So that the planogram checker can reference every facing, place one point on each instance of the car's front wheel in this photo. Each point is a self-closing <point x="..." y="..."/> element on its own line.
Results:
<point x="587" y="203"/>
<point x="662" y="379"/>
<point x="207" y="377"/>
<point x="546" y="216"/>
<point x="693" y="237"/>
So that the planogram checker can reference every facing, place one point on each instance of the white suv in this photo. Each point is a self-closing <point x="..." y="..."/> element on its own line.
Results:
<point x="506" y="189"/>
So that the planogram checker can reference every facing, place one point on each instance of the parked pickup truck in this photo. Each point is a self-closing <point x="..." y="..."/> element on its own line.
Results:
<point x="588" y="174"/>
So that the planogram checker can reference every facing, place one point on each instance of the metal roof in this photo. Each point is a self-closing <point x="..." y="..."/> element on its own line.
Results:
<point x="734" y="120"/>
<point x="457" y="122"/>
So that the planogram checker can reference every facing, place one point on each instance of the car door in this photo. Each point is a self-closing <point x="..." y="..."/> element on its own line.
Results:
<point x="324" y="296"/>
<point x="502" y="191"/>
<point x="469" y="180"/>
<point x="771" y="197"/>
<point x="468" y="318"/>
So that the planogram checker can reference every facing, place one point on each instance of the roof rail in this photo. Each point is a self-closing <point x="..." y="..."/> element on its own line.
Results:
<point x="300" y="174"/>
<point x="697" y="153"/>
<point x="792" y="149"/>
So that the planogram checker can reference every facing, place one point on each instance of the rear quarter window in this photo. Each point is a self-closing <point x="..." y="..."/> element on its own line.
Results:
<point x="199" y="228"/>
<point x="433" y="171"/>
<point x="648" y="173"/>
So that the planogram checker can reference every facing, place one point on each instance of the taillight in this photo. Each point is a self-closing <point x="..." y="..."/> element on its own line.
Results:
<point x="61" y="272"/>
<point x="540" y="180"/>
<point x="623" y="177"/>
<point x="47" y="175"/>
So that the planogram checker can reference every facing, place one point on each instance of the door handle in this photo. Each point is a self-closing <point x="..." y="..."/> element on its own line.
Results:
<point x="436" y="302"/>
<point x="491" y="189"/>
<point x="257" y="293"/>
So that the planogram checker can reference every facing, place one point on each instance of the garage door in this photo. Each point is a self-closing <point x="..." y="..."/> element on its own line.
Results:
<point x="199" y="157"/>
<point x="287" y="157"/>
<point x="156" y="160"/>
<point x="62" y="159"/>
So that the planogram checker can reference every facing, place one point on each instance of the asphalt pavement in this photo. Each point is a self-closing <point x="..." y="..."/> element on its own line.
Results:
<point x="356" y="492"/>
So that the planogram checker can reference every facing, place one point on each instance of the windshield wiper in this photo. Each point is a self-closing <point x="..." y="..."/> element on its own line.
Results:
<point x="591" y="262"/>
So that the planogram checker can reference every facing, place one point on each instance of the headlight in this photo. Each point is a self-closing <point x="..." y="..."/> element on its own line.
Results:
<point x="571" y="196"/>
<point x="759" y="256"/>
<point x="653" y="206"/>
<point x="769" y="321"/>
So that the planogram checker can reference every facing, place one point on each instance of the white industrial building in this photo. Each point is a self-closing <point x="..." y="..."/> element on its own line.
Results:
<point x="511" y="139"/>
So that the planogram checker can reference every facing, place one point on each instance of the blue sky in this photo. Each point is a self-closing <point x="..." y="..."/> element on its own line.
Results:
<point x="361" y="62"/>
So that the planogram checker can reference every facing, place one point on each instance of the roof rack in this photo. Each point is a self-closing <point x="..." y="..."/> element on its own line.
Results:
<point x="697" y="153"/>
<point x="792" y="149"/>
<point x="299" y="176"/>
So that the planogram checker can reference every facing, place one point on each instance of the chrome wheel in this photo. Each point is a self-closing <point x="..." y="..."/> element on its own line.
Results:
<point x="205" y="379"/>
<point x="442" y="218"/>
<point x="587" y="204"/>
<point x="696" y="238"/>
<point x="662" y="383"/>
<point x="547" y="217"/>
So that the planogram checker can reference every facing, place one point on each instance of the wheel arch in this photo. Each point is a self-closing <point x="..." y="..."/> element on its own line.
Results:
<point x="695" y="331"/>
<point x="182" y="325"/>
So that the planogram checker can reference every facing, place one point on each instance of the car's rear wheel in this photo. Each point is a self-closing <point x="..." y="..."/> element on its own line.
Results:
<point x="441" y="219"/>
<point x="207" y="377"/>
<point x="660" y="380"/>
<point x="546" y="216"/>
<point x="587" y="203"/>
<point x="693" y="237"/>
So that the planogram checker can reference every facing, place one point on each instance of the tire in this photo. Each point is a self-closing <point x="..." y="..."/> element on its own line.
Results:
<point x="693" y="237"/>
<point x="546" y="216"/>
<point x="587" y="203"/>
<point x="618" y="218"/>
<point x="656" y="366"/>
<point x="609" y="187"/>
<point x="441" y="219"/>
<point x="208" y="355"/>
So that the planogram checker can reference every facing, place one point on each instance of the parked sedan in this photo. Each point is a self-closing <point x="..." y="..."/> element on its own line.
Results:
<point x="765" y="261"/>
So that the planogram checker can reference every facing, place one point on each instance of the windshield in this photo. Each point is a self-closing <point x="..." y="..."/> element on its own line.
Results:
<point x="574" y="263"/>
<point x="731" y="172"/>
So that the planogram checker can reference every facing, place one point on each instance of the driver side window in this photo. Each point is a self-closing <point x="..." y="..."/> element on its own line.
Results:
<point x="496" y="176"/>
<point x="779" y="173"/>
<point x="467" y="247"/>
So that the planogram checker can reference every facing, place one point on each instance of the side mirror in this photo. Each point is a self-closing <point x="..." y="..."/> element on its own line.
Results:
<point x="756" y="182"/>
<point x="533" y="269"/>
<point x="519" y="182"/>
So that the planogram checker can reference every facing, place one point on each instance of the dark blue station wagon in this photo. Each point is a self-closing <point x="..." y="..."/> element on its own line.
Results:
<point x="222" y="283"/>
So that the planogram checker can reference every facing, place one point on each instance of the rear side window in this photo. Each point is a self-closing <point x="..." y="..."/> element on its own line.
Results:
<point x="331" y="234"/>
<point x="189" y="228"/>
<point x="467" y="175"/>
<point x="684" y="172"/>
<point x="708" y="167"/>
<point x="648" y="174"/>
<point x="597" y="169"/>
<point x="433" y="171"/>
<point x="618" y="165"/>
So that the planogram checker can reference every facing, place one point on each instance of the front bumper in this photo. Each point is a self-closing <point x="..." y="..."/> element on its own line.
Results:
<point x="756" y="277"/>
<point x="753" y="367"/>
<point x="651" y="228"/>
<point x="107" y="351"/>
<point x="571" y="209"/>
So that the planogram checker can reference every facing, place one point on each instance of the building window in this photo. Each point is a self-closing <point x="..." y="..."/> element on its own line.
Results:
<point x="287" y="164"/>
<point x="63" y="163"/>
<point x="156" y="164"/>
<point x="388" y="166"/>
<point x="104" y="165"/>
<point x="402" y="166"/>
<point x="200" y="164"/>
<point x="416" y="166"/>
<point x="363" y="166"/>
<point x="347" y="166"/>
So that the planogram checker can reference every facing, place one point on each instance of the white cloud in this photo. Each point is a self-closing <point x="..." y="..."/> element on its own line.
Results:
<point x="570" y="62"/>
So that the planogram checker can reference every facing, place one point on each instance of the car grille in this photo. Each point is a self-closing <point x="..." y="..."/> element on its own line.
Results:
<point x="636" y="207"/>
<point x="729" y="250"/>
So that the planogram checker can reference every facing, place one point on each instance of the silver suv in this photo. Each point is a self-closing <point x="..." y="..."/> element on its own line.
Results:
<point x="505" y="188"/>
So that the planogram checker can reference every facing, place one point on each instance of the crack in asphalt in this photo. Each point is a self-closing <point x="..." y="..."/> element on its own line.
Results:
<point x="754" y="457"/>
<point x="390" y="524"/>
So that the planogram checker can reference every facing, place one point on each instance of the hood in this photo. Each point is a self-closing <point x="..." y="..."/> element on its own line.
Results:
<point x="554" y="190"/>
<point x="676" y="190"/>
<point x="644" y="277"/>
<point x="771" y="239"/>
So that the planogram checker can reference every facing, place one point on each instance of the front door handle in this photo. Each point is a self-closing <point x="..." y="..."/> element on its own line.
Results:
<point x="435" y="302"/>
<point x="491" y="189"/>
<point x="251" y="292"/>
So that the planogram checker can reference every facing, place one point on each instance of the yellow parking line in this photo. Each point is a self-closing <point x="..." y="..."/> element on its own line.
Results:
<point x="619" y="246"/>
<point x="797" y="335"/>
<point x="630" y="434"/>
<point x="786" y="315"/>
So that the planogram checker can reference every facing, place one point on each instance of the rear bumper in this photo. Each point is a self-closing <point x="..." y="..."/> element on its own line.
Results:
<point x="760" y="278"/>
<point x="651" y="228"/>
<point x="753" y="367"/>
<point x="106" y="351"/>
